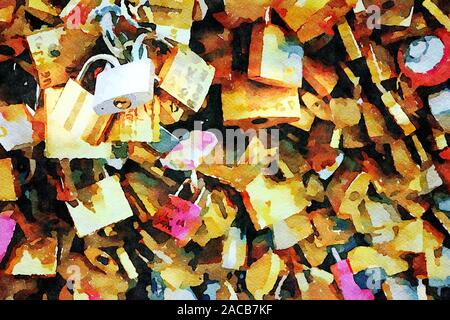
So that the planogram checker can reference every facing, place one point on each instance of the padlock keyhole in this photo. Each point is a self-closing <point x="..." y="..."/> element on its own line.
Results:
<point x="260" y="121"/>
<point x="122" y="103"/>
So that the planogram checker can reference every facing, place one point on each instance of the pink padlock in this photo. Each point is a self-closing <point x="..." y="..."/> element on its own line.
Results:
<point x="7" y="227"/>
<point x="179" y="218"/>
<point x="343" y="274"/>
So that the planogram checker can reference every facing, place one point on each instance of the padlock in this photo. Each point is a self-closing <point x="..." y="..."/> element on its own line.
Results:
<point x="239" y="10"/>
<point x="191" y="152"/>
<point x="344" y="277"/>
<point x="317" y="106"/>
<point x="135" y="125"/>
<point x="327" y="231"/>
<point x="362" y="258"/>
<point x="8" y="191"/>
<point x="275" y="58"/>
<point x="250" y="105"/>
<point x="37" y="258"/>
<point x="393" y="13"/>
<point x="373" y="119"/>
<point x="98" y="206"/>
<point x="125" y="86"/>
<point x="16" y="128"/>
<point x="218" y="52"/>
<point x="170" y="111"/>
<point x="353" y="196"/>
<point x="173" y="19"/>
<point x="295" y="13"/>
<point x="268" y="202"/>
<point x="263" y="274"/>
<point x="289" y="232"/>
<point x="186" y="77"/>
<point x="318" y="286"/>
<point x="322" y="78"/>
<point x="345" y="112"/>
<point x="217" y="219"/>
<point x="57" y="53"/>
<point x="440" y="108"/>
<point x="73" y="129"/>
<point x="171" y="22"/>
<point x="43" y="10"/>
<point x="150" y="192"/>
<point x="324" y="20"/>
<point x="426" y="61"/>
<point x="178" y="217"/>
<point x="7" y="227"/>
<point x="418" y="28"/>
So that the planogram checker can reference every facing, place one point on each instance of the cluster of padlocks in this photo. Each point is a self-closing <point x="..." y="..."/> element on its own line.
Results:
<point x="224" y="149"/>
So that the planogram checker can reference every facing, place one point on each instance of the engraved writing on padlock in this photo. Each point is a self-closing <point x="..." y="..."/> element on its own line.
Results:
<point x="124" y="87"/>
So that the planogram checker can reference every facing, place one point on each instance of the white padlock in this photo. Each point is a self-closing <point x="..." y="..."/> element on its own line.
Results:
<point x="127" y="86"/>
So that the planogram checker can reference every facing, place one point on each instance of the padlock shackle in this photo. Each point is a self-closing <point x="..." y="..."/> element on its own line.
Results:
<point x="106" y="57"/>
<point x="200" y="196"/>
<point x="138" y="43"/>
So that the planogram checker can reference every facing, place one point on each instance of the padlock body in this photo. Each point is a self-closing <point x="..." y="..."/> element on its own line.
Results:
<point x="124" y="87"/>
<point x="179" y="218"/>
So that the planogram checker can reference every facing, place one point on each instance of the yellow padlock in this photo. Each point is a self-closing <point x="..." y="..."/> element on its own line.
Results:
<point x="268" y="202"/>
<point x="74" y="129"/>
<point x="16" y="129"/>
<point x="8" y="190"/>
<point x="248" y="105"/>
<point x="37" y="258"/>
<point x="99" y="205"/>
<point x="173" y="19"/>
<point x="275" y="59"/>
<point x="135" y="125"/>
<point x="57" y="53"/>
<point x="186" y="77"/>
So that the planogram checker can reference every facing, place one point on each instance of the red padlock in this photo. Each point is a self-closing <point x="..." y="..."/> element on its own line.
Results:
<point x="426" y="61"/>
<point x="179" y="218"/>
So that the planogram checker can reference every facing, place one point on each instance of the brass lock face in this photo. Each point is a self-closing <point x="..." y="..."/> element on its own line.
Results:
<point x="122" y="103"/>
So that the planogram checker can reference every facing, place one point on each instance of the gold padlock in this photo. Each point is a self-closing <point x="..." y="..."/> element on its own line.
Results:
<point x="323" y="20"/>
<point x="186" y="77"/>
<point x="322" y="78"/>
<point x="8" y="190"/>
<point x="275" y="59"/>
<point x="269" y="202"/>
<point x="393" y="13"/>
<point x="173" y="19"/>
<point x="57" y="53"/>
<point x="248" y="105"/>
<point x="43" y="10"/>
<point x="74" y="129"/>
<point x="16" y="129"/>
<point x="37" y="258"/>
<point x="134" y="125"/>
<point x="295" y="13"/>
<point x="99" y="205"/>
<point x="217" y="218"/>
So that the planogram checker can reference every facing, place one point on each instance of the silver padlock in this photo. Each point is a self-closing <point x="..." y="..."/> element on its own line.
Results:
<point x="127" y="86"/>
